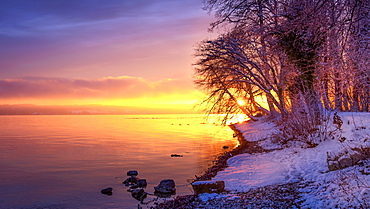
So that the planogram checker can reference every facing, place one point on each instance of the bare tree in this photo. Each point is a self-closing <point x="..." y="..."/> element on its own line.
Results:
<point x="237" y="64"/>
<point x="300" y="55"/>
<point x="213" y="76"/>
<point x="250" y="54"/>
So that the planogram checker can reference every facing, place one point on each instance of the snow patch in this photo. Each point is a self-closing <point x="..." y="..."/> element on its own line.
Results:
<point x="247" y="171"/>
<point x="207" y="196"/>
<point x="345" y="188"/>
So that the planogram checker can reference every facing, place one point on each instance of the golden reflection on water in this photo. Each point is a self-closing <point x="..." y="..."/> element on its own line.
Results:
<point x="60" y="156"/>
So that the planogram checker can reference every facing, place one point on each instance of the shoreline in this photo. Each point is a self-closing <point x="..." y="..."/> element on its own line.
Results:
<point x="220" y="164"/>
<point x="244" y="146"/>
<point x="305" y="178"/>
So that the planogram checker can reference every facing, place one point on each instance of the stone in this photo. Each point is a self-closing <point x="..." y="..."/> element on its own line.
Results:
<point x="345" y="161"/>
<point x="131" y="180"/>
<point x="166" y="186"/>
<point x="132" y="173"/>
<point x="201" y="187"/>
<point x="176" y="155"/>
<point x="138" y="183"/>
<point x="107" y="191"/>
<point x="356" y="157"/>
<point x="142" y="183"/>
<point x="333" y="165"/>
<point x="133" y="186"/>
<point x="138" y="194"/>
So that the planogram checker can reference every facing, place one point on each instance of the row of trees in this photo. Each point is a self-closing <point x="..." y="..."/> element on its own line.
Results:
<point x="298" y="56"/>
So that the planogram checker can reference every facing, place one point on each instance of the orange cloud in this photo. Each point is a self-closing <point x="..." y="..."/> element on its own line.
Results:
<point x="107" y="90"/>
<point x="109" y="87"/>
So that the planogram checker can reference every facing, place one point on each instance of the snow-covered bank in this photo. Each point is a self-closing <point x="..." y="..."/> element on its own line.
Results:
<point x="321" y="188"/>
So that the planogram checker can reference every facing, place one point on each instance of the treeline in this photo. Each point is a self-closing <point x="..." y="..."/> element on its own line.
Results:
<point x="300" y="57"/>
<point x="29" y="109"/>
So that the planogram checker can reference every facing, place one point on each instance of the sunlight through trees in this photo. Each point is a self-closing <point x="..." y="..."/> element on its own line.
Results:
<point x="301" y="57"/>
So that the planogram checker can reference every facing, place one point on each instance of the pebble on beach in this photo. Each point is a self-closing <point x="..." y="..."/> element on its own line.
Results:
<point x="166" y="186"/>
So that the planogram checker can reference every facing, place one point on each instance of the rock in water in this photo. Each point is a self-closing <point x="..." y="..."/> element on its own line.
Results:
<point x="132" y="173"/>
<point x="107" y="191"/>
<point x="176" y="155"/>
<point x="131" y="180"/>
<point x="138" y="194"/>
<point x="142" y="183"/>
<point x="166" y="186"/>
<point x="201" y="187"/>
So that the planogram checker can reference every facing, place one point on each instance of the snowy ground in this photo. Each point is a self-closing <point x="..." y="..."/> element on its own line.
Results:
<point x="344" y="188"/>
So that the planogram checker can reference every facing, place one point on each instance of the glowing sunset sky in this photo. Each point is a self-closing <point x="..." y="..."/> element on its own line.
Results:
<point x="116" y="52"/>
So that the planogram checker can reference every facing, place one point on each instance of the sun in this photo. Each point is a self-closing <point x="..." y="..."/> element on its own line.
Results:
<point x="241" y="102"/>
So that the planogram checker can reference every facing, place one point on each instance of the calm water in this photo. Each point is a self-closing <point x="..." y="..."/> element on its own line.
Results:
<point x="64" y="161"/>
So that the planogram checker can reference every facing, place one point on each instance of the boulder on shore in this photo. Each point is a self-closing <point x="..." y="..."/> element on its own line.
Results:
<point x="201" y="187"/>
<point x="166" y="186"/>
<point x="344" y="160"/>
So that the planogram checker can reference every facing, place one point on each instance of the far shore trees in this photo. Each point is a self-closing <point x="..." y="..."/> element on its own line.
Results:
<point x="299" y="57"/>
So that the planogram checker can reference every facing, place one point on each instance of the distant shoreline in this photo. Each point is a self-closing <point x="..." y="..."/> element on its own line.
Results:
<point x="30" y="109"/>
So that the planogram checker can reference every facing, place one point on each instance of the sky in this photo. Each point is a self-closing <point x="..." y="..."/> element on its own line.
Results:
<point x="109" y="52"/>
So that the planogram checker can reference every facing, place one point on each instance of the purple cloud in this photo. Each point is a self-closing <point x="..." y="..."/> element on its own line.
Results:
<point x="124" y="87"/>
<point x="57" y="38"/>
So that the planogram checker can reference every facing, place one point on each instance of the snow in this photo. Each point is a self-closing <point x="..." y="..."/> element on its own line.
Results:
<point x="207" y="196"/>
<point x="344" y="188"/>
<point x="203" y="182"/>
<point x="250" y="171"/>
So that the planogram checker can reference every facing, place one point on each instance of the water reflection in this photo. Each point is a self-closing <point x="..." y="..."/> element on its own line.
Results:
<point x="66" y="161"/>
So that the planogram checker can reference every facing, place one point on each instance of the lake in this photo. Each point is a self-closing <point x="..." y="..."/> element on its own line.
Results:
<point x="64" y="161"/>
